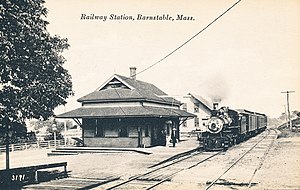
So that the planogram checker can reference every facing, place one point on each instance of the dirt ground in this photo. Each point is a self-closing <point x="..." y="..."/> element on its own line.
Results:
<point x="280" y="170"/>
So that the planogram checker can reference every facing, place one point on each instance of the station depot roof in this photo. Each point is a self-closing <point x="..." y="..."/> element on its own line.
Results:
<point x="119" y="89"/>
<point x="117" y="112"/>
<point x="129" y="89"/>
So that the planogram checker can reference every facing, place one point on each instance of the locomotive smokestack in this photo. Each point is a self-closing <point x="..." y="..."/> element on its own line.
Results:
<point x="133" y="72"/>
<point x="215" y="106"/>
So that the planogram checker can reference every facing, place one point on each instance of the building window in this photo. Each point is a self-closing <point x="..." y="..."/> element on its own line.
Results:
<point x="99" y="131"/>
<point x="196" y="108"/>
<point x="184" y="106"/>
<point x="115" y="84"/>
<point x="184" y="124"/>
<point x="123" y="132"/>
<point x="147" y="131"/>
<point x="196" y="122"/>
<point x="89" y="123"/>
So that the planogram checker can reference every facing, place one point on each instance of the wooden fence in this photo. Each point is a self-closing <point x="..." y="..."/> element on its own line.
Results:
<point x="38" y="144"/>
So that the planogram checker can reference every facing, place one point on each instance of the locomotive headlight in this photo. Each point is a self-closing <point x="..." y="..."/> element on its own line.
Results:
<point x="215" y="125"/>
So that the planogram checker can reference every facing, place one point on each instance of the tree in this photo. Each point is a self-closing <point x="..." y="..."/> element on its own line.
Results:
<point x="283" y="117"/>
<point x="32" y="78"/>
<point x="295" y="113"/>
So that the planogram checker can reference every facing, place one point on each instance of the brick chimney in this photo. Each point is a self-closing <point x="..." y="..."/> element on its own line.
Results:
<point x="133" y="72"/>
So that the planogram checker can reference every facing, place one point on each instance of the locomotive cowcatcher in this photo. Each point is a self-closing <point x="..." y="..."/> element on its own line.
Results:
<point x="227" y="127"/>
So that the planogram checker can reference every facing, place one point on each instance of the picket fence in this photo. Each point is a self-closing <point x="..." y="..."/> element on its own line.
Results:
<point x="34" y="145"/>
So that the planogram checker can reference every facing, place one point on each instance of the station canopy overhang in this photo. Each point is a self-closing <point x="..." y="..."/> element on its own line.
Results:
<point x="125" y="112"/>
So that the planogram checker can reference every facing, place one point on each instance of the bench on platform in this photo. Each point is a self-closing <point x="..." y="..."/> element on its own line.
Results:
<point x="28" y="174"/>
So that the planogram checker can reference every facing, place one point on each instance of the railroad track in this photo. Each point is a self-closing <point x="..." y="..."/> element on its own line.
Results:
<point x="163" y="173"/>
<point x="155" y="175"/>
<point x="260" y="150"/>
<point x="71" y="183"/>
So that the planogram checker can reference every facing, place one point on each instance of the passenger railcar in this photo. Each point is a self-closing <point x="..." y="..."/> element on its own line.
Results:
<point x="227" y="127"/>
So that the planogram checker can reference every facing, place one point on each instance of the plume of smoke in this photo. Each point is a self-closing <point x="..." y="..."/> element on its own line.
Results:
<point x="216" y="88"/>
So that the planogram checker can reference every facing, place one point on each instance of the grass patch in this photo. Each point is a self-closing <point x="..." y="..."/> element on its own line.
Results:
<point x="287" y="133"/>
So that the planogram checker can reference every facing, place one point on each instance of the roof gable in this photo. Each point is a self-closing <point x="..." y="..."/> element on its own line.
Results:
<point x="115" y="82"/>
<point x="120" y="88"/>
<point x="201" y="100"/>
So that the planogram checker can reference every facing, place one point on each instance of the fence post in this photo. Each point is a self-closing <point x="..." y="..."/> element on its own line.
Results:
<point x="49" y="145"/>
<point x="12" y="147"/>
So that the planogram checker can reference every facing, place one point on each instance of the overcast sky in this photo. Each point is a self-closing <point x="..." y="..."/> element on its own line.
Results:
<point x="247" y="58"/>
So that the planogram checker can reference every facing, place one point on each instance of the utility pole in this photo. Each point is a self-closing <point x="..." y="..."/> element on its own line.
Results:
<point x="65" y="128"/>
<point x="288" y="107"/>
<point x="286" y="116"/>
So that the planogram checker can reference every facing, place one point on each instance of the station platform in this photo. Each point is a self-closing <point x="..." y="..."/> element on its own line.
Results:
<point x="184" y="145"/>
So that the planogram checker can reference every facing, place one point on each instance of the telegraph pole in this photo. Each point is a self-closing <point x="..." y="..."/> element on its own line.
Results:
<point x="286" y="116"/>
<point x="288" y="107"/>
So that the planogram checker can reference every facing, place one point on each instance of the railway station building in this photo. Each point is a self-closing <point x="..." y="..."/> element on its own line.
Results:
<point x="125" y="112"/>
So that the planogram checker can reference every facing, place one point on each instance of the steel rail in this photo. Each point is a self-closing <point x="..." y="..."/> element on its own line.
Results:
<point x="214" y="181"/>
<point x="138" y="176"/>
<point x="165" y="166"/>
<point x="167" y="178"/>
<point x="205" y="159"/>
<point x="172" y="158"/>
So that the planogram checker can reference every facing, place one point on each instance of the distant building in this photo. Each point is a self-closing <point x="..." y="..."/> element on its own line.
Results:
<point x="71" y="134"/>
<point x="198" y="106"/>
<point x="125" y="112"/>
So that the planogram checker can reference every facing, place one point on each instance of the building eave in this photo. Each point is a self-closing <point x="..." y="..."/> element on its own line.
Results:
<point x="130" y="100"/>
<point x="122" y="112"/>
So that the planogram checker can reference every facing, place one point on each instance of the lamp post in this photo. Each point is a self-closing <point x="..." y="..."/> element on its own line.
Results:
<point x="54" y="134"/>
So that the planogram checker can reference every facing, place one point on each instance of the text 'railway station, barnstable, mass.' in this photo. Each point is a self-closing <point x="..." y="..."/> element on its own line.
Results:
<point x="125" y="112"/>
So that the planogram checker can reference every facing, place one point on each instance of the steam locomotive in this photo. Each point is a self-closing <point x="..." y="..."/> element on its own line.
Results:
<point x="227" y="127"/>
